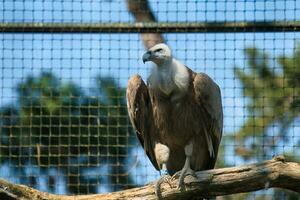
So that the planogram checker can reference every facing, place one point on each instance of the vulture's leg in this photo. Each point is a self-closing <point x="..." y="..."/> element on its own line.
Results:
<point x="162" y="153"/>
<point x="187" y="165"/>
<point x="165" y="177"/>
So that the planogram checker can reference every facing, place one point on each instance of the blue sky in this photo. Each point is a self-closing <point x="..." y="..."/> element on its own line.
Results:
<point x="165" y="10"/>
<point x="81" y="57"/>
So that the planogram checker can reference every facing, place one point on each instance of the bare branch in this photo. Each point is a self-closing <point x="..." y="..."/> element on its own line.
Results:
<point x="209" y="183"/>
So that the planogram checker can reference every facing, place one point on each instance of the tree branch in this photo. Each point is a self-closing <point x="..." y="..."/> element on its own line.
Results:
<point x="209" y="183"/>
<point x="141" y="11"/>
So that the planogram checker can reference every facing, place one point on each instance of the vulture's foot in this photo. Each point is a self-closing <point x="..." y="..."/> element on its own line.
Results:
<point x="182" y="174"/>
<point x="188" y="149"/>
<point x="164" y="178"/>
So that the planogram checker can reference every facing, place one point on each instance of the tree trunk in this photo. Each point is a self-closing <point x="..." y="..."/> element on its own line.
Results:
<point x="210" y="183"/>
<point x="141" y="11"/>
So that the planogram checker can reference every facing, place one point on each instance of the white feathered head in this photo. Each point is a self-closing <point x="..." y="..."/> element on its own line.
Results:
<point x="158" y="54"/>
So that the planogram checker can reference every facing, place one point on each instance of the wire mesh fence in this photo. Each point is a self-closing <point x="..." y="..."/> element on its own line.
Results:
<point x="64" y="125"/>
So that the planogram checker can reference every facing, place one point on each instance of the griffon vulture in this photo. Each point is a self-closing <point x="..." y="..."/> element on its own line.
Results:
<point x="177" y="116"/>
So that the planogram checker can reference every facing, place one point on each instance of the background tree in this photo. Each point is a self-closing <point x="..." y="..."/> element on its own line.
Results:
<point x="272" y="88"/>
<point x="54" y="125"/>
<point x="141" y="11"/>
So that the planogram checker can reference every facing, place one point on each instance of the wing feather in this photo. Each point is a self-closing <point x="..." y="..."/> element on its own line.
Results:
<point x="140" y="114"/>
<point x="208" y="98"/>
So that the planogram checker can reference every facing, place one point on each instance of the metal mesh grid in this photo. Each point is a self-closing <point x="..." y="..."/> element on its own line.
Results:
<point x="64" y="125"/>
<point x="165" y="10"/>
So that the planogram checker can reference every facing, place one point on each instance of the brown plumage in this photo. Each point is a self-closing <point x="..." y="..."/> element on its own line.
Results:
<point x="176" y="113"/>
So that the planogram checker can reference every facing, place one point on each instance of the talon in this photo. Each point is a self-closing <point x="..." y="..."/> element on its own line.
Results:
<point x="183" y="173"/>
<point x="165" y="178"/>
<point x="176" y="175"/>
<point x="181" y="180"/>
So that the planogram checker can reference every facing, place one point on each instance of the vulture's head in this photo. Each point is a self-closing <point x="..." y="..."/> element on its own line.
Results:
<point x="159" y="54"/>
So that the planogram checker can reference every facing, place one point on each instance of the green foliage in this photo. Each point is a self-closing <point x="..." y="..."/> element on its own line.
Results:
<point x="273" y="93"/>
<point x="55" y="125"/>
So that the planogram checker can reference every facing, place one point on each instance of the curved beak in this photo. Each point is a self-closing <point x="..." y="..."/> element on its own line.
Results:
<point x="147" y="56"/>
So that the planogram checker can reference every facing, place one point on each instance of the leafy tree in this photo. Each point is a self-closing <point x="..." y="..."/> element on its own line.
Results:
<point x="272" y="88"/>
<point x="54" y="125"/>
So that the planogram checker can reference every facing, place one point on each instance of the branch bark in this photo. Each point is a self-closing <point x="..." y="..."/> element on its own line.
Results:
<point x="141" y="11"/>
<point x="209" y="183"/>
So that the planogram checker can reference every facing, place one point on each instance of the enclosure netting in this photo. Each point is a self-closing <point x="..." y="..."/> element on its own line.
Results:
<point x="63" y="116"/>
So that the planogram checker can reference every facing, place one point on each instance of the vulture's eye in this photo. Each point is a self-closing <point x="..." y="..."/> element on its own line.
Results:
<point x="158" y="50"/>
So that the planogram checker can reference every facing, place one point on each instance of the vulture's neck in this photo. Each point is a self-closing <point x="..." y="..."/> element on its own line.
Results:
<point x="169" y="77"/>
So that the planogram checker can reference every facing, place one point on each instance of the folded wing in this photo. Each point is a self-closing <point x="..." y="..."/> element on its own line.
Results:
<point x="141" y="115"/>
<point x="208" y="98"/>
